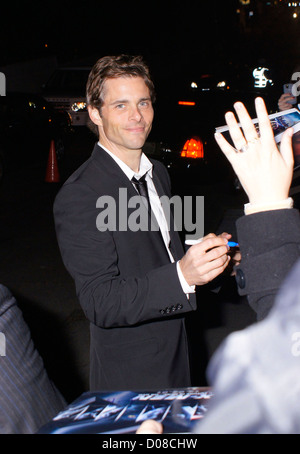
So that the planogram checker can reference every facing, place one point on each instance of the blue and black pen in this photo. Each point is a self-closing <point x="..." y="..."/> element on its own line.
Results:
<point x="192" y="242"/>
<point x="232" y="244"/>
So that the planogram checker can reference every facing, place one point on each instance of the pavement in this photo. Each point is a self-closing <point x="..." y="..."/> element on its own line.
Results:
<point x="31" y="267"/>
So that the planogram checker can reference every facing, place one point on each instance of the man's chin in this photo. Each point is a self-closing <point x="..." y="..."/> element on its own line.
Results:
<point x="136" y="143"/>
<point x="135" y="146"/>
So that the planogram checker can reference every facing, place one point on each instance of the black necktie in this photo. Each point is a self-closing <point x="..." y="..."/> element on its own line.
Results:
<point x="142" y="188"/>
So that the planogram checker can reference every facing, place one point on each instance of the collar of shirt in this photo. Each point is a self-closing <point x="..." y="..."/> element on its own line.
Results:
<point x="145" y="165"/>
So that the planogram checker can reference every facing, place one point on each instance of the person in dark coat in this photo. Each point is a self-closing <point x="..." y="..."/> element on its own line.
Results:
<point x="28" y="397"/>
<point x="254" y="374"/>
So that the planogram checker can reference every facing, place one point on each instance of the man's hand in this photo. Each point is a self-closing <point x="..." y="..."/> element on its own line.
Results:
<point x="284" y="102"/>
<point x="204" y="261"/>
<point x="264" y="172"/>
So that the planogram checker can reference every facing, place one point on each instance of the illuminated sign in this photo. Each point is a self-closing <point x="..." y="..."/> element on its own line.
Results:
<point x="261" y="80"/>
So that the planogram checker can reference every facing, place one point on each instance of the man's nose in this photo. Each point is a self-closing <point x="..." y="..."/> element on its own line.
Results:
<point x="135" y="113"/>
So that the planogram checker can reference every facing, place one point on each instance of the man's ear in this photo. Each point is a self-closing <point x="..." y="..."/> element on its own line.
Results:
<point x="95" y="115"/>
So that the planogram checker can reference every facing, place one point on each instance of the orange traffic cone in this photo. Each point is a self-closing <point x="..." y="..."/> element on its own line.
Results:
<point x="52" y="173"/>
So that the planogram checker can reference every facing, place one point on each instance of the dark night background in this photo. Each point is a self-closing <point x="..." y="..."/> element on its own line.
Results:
<point x="175" y="37"/>
<point x="176" y="31"/>
<point x="181" y="41"/>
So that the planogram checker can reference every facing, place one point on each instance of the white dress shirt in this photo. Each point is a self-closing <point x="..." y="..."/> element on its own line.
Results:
<point x="146" y="167"/>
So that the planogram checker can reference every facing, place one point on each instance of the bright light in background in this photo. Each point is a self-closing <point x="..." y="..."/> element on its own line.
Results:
<point x="186" y="103"/>
<point x="261" y="80"/>
<point x="78" y="106"/>
<point x="193" y="148"/>
<point x="194" y="85"/>
<point x="295" y="15"/>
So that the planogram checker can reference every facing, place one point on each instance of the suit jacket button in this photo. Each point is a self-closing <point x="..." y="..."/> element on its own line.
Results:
<point x="179" y="306"/>
<point x="240" y="278"/>
<point x="162" y="312"/>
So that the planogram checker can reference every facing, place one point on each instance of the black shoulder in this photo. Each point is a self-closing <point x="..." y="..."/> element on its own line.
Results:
<point x="159" y="168"/>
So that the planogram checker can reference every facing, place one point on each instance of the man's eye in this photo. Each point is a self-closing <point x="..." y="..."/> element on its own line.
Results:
<point x="144" y="103"/>
<point x="120" y="106"/>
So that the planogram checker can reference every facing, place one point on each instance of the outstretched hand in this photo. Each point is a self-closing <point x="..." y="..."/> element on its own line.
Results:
<point x="264" y="171"/>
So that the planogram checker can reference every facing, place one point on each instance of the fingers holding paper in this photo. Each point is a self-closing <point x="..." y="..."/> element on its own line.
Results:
<point x="264" y="172"/>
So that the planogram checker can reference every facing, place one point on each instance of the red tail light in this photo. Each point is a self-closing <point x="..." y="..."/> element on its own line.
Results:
<point x="186" y="103"/>
<point x="193" y="148"/>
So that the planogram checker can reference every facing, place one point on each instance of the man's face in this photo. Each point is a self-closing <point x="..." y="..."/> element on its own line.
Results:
<point x="126" y="114"/>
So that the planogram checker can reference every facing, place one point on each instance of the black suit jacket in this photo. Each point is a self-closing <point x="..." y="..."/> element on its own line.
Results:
<point x="126" y="284"/>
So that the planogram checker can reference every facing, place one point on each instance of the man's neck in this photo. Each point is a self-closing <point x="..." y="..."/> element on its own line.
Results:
<point x="131" y="158"/>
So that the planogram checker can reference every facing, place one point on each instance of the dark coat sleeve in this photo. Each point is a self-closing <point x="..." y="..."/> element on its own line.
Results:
<point x="28" y="399"/>
<point x="270" y="245"/>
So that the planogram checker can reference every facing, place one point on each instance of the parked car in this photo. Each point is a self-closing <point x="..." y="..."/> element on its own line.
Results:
<point x="27" y="126"/>
<point x="65" y="91"/>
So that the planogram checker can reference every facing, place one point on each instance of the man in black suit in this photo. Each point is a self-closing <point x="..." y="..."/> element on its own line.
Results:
<point x="134" y="284"/>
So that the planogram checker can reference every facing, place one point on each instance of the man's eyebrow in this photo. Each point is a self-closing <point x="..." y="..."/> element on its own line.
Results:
<point x="124" y="101"/>
<point x="119" y="101"/>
